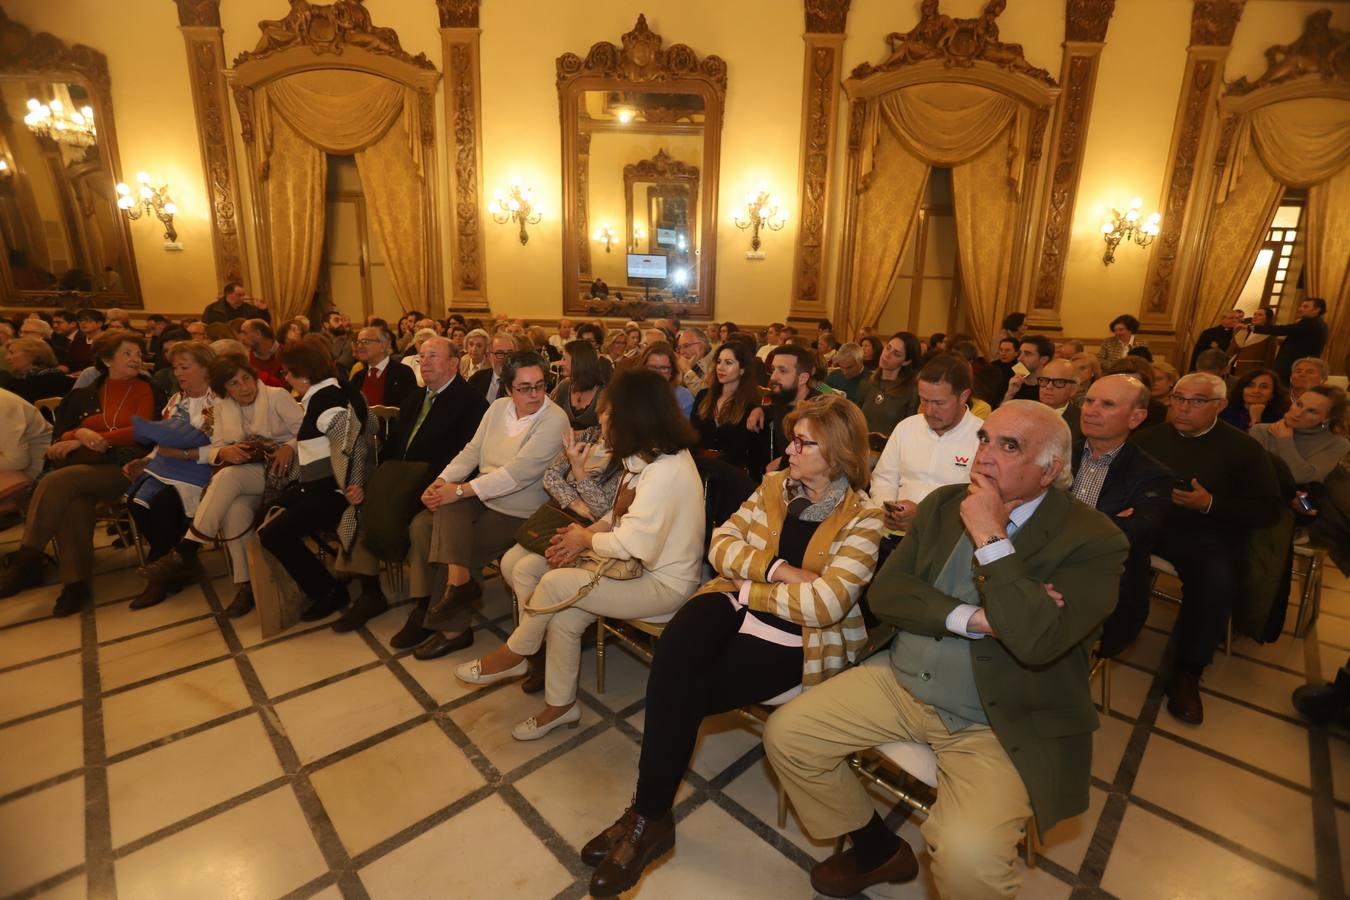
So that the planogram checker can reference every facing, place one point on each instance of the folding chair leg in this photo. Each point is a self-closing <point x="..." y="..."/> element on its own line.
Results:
<point x="782" y="805"/>
<point x="600" y="655"/>
<point x="1033" y="843"/>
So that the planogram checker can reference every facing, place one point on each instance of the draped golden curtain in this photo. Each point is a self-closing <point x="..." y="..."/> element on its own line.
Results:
<point x="295" y="185"/>
<point x="341" y="111"/>
<point x="1328" y="261"/>
<point x="982" y="135"/>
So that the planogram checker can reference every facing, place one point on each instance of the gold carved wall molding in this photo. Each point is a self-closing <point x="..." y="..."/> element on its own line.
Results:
<point x="464" y="127"/>
<point x="1085" y="27"/>
<point x="199" y="21"/>
<point x="822" y="70"/>
<point x="1186" y="181"/>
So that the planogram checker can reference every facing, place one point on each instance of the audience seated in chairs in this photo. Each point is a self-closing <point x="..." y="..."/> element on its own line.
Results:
<point x="848" y="374"/>
<point x="1257" y="397"/>
<point x="655" y="523"/>
<point x="1307" y="372"/>
<point x="255" y="430"/>
<point x="334" y="450"/>
<point x="1225" y="487"/>
<point x="381" y="379"/>
<point x="475" y="353"/>
<point x="730" y="456"/>
<point x="33" y="373"/>
<point x="166" y="486"/>
<point x="1115" y="477"/>
<point x="583" y="381"/>
<point x="891" y="394"/>
<point x="25" y="435"/>
<point x="488" y="379"/>
<point x="1033" y="352"/>
<point x="1122" y="339"/>
<point x="264" y="352"/>
<point x="660" y="357"/>
<point x="470" y="520"/>
<point x="997" y="593"/>
<point x="696" y="359"/>
<point x="92" y="439"/>
<point x="433" y="425"/>
<point x="781" y="615"/>
<point x="1057" y="385"/>
<point x="794" y="376"/>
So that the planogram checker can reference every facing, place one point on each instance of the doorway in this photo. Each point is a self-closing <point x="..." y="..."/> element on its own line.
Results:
<point x="353" y="261"/>
<point x="927" y="294"/>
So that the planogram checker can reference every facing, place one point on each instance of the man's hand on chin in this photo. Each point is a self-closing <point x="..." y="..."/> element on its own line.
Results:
<point x="983" y="511"/>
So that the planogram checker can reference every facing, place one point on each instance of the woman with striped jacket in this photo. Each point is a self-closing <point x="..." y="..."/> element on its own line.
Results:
<point x="781" y="616"/>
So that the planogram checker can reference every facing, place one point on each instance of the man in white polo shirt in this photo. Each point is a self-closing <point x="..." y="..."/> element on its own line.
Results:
<point x="934" y="447"/>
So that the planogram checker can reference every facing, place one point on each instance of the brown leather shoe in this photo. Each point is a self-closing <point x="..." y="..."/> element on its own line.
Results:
<point x="1183" y="698"/>
<point x="838" y="876"/>
<point x="412" y="633"/>
<point x="534" y="683"/>
<point x="442" y="614"/>
<point x="366" y="607"/>
<point x="598" y="847"/>
<point x="646" y="841"/>
<point x="440" y="644"/>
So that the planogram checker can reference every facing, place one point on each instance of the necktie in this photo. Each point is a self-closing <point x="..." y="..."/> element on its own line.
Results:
<point x="496" y="391"/>
<point x="429" y="399"/>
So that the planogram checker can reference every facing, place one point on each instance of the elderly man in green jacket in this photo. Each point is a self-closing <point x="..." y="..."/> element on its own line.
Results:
<point x="997" y="592"/>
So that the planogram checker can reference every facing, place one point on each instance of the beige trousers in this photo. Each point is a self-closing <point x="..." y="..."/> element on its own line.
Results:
<point x="639" y="598"/>
<point x="522" y="570"/>
<point x="982" y="805"/>
<point x="228" y="508"/>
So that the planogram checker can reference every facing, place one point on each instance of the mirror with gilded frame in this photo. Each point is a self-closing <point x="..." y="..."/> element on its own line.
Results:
<point x="62" y="231"/>
<point x="641" y="138"/>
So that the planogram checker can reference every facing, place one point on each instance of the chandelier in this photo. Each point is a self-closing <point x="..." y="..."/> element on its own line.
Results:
<point x="74" y="127"/>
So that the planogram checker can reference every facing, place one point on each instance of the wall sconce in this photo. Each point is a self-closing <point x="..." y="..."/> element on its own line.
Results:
<point x="606" y="234"/>
<point x="518" y="206"/>
<point x="148" y="201"/>
<point x="639" y="235"/>
<point x="761" y="210"/>
<point x="1128" y="226"/>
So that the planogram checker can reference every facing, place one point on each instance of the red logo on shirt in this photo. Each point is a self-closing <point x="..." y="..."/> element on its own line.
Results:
<point x="962" y="460"/>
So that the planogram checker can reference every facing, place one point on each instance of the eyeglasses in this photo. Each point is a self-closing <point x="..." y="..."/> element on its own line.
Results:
<point x="538" y="388"/>
<point x="501" y="354"/>
<point x="663" y="369"/>
<point x="1059" y="382"/>
<point x="368" y="341"/>
<point x="1180" y="400"/>
<point x="798" y="444"/>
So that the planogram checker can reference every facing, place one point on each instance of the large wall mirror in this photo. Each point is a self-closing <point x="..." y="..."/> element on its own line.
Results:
<point x="59" y="220"/>
<point x="641" y="133"/>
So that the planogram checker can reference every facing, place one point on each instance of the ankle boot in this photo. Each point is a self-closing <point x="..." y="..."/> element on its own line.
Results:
<point x="72" y="599"/>
<point x="412" y="633"/>
<point x="24" y="572"/>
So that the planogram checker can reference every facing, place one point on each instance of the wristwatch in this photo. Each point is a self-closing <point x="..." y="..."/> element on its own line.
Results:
<point x="459" y="490"/>
<point x="992" y="539"/>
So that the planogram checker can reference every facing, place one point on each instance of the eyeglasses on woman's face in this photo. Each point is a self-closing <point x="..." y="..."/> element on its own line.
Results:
<point x="538" y="387"/>
<point x="799" y="444"/>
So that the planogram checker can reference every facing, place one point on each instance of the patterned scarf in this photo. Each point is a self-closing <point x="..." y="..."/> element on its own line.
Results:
<point x="799" y="505"/>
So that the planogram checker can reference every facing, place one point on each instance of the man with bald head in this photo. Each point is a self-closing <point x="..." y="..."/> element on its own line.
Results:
<point x="433" y="425"/>
<point x="1127" y="484"/>
<point x="1057" y="384"/>
<point x="997" y="594"/>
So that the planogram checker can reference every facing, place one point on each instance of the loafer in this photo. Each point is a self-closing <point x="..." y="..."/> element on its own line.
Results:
<point x="470" y="673"/>
<point x="1183" y="698"/>
<point x="155" y="593"/>
<point x="531" y="730"/>
<point x="838" y="876"/>
<point x="598" y="847"/>
<point x="439" y="645"/>
<point x="442" y="614"/>
<point x="242" y="604"/>
<point x="646" y="841"/>
<point x="412" y="633"/>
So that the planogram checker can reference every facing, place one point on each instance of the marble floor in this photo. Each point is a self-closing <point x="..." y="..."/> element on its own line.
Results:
<point x="176" y="753"/>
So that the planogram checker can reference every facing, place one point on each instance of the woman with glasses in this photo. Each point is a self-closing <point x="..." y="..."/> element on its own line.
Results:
<point x="474" y="519"/>
<point x="651" y="522"/>
<point x="660" y="358"/>
<point x="781" y="615"/>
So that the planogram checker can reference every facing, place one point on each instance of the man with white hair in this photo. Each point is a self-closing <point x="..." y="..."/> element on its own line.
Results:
<point x="696" y="359"/>
<point x="1225" y="487"/>
<point x="996" y="595"/>
<point x="382" y="384"/>
<point x="848" y="373"/>
<point x="414" y="360"/>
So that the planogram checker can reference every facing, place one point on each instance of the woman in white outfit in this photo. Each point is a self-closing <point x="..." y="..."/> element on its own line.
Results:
<point x="657" y="520"/>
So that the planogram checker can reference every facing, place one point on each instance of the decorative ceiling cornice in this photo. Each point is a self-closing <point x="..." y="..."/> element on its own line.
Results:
<point x="1320" y="50"/>
<point x="826" y="16"/>
<point x="1214" y="21"/>
<point x="642" y="59"/>
<point x="22" y="51"/>
<point x="1086" y="20"/>
<point x="329" y="29"/>
<point x="205" y="13"/>
<point x="458" y="13"/>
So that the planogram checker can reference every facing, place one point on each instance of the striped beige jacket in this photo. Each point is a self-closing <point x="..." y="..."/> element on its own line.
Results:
<point x="843" y="551"/>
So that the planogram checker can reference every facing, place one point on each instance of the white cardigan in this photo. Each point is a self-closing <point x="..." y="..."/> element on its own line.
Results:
<point x="275" y="415"/>
<point x="24" y="436"/>
<point x="663" y="526"/>
<point x="511" y="466"/>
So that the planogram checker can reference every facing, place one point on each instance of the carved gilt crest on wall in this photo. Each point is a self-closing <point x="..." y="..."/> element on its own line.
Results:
<point x="662" y="165"/>
<point x="642" y="59"/>
<point x="957" y="43"/>
<point x="329" y="29"/>
<point x="1321" y="50"/>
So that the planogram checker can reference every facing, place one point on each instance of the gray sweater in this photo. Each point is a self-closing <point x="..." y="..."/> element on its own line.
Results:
<point x="1311" y="453"/>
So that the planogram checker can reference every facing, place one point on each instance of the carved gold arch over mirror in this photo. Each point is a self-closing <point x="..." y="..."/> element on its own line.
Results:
<point x="640" y="119"/>
<point x="64" y="236"/>
<point x="324" y="80"/>
<point x="949" y="94"/>
<point x="1288" y="129"/>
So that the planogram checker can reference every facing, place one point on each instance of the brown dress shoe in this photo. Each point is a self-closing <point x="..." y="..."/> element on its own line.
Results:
<point x="441" y="644"/>
<point x="598" y="847"/>
<point x="441" y="614"/>
<point x="534" y="683"/>
<point x="412" y="633"/>
<point x="646" y="841"/>
<point x="1183" y="698"/>
<point x="366" y="607"/>
<point x="838" y="876"/>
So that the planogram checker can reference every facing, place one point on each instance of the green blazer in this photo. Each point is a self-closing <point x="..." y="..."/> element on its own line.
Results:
<point x="1033" y="674"/>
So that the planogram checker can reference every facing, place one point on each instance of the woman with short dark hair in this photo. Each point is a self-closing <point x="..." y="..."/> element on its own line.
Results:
<point x="642" y="425"/>
<point x="1122" y="340"/>
<point x="1259" y="396"/>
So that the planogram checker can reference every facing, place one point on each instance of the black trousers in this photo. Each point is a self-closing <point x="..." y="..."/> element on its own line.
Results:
<point x="703" y="666"/>
<point x="162" y="524"/>
<point x="1208" y="564"/>
<point x="318" y="507"/>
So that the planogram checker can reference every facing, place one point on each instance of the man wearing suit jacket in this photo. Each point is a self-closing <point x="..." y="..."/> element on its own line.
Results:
<point x="998" y="592"/>
<point x="1305" y="337"/>
<point x="487" y="381"/>
<point x="1134" y="489"/>
<point x="382" y="380"/>
<point x="432" y="426"/>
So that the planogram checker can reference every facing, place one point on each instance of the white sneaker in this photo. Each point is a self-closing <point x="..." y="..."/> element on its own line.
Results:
<point x="531" y="730"/>
<point x="470" y="672"/>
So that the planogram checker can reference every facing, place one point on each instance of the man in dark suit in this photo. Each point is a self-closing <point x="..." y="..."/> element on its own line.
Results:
<point x="1114" y="476"/>
<point x="1305" y="337"/>
<point x="1218" y="337"/>
<point x="488" y="381"/>
<point x="232" y="305"/>
<point x="433" y="425"/>
<point x="998" y="592"/>
<point x="383" y="380"/>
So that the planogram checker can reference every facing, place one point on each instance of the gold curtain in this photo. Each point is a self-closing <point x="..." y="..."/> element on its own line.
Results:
<point x="340" y="111"/>
<point x="1236" y="234"/>
<point x="295" y="184"/>
<point x="394" y="193"/>
<point x="1327" y="228"/>
<point x="985" y="203"/>
<point x="887" y="208"/>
